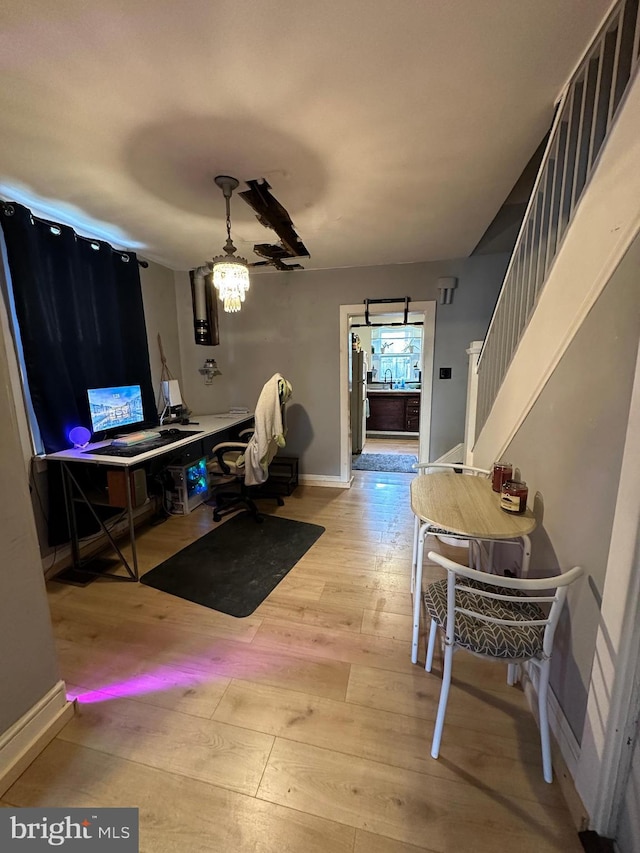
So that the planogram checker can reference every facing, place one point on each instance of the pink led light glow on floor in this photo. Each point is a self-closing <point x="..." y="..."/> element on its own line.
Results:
<point x="156" y="681"/>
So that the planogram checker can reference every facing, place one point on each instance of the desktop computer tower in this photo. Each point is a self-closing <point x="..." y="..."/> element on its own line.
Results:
<point x="190" y="486"/>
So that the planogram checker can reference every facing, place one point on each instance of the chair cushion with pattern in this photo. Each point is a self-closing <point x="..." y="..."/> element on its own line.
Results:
<point x="487" y="638"/>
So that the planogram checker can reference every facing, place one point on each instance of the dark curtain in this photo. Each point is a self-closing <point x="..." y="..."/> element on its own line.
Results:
<point x="80" y="312"/>
<point x="81" y="318"/>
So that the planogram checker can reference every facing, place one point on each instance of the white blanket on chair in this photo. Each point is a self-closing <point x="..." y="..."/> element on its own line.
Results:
<point x="269" y="433"/>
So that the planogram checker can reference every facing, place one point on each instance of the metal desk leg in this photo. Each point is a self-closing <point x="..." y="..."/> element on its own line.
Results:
<point x="132" y="530"/>
<point x="72" y="483"/>
<point x="67" y="490"/>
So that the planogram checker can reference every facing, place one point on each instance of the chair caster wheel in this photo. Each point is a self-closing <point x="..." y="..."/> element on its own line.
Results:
<point x="280" y="501"/>
<point x="217" y="516"/>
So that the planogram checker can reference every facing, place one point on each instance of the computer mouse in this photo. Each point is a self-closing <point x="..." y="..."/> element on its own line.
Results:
<point x="174" y="431"/>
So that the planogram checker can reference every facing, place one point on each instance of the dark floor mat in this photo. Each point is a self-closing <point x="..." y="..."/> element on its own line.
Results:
<point x="234" y="567"/>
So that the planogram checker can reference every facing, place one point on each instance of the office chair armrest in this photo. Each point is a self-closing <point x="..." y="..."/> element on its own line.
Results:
<point x="220" y="449"/>
<point x="248" y="431"/>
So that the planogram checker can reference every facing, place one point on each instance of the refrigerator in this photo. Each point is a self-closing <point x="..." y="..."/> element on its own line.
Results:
<point x="359" y="369"/>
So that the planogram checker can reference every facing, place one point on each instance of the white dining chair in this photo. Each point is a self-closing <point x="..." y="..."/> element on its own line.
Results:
<point x="423" y="468"/>
<point x="500" y="618"/>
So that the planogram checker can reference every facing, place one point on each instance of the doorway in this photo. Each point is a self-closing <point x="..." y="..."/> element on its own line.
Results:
<point x="418" y="370"/>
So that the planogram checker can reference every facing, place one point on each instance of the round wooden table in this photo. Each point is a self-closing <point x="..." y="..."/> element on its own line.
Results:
<point x="465" y="506"/>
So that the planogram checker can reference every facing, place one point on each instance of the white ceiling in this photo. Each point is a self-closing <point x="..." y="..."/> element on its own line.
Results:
<point x="391" y="130"/>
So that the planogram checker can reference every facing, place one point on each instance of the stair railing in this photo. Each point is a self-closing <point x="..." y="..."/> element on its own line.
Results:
<point x="583" y="118"/>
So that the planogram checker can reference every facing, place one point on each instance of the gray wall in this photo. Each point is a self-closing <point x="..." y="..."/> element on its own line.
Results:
<point x="160" y="312"/>
<point x="290" y="324"/>
<point x="569" y="450"/>
<point x="28" y="668"/>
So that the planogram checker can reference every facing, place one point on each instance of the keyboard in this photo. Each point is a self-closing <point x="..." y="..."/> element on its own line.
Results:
<point x="143" y="447"/>
<point x="135" y="438"/>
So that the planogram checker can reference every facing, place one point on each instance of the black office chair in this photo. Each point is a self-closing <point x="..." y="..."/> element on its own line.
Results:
<point x="241" y="467"/>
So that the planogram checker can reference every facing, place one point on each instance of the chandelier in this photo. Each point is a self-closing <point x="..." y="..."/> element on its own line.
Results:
<point x="230" y="274"/>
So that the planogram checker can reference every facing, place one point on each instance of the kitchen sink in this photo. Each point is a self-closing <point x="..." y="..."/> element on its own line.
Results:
<point x="413" y="386"/>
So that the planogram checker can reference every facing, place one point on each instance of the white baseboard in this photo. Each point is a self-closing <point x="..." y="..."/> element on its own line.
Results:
<point x="324" y="480"/>
<point x="565" y="749"/>
<point x="456" y="454"/>
<point x="27" y="737"/>
<point x="565" y="738"/>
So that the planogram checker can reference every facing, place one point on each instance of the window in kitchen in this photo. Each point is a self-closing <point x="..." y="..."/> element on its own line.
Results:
<point x="396" y="353"/>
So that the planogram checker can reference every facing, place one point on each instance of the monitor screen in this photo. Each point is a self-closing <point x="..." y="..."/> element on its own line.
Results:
<point x="111" y="408"/>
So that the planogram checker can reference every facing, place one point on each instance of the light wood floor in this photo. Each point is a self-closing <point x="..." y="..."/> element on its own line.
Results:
<point x="303" y="728"/>
<point x="374" y="444"/>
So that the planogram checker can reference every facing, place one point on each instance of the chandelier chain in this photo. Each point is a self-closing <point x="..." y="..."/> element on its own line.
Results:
<point x="228" y="202"/>
<point x="230" y="274"/>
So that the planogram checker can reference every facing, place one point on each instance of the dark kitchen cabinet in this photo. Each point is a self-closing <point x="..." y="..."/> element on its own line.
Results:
<point x="394" y="411"/>
<point x="412" y="413"/>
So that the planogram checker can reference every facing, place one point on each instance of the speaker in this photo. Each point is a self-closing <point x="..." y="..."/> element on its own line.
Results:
<point x="116" y="485"/>
<point x="138" y="486"/>
<point x="171" y="392"/>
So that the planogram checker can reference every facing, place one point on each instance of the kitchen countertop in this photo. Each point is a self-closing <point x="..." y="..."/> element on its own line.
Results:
<point x="394" y="391"/>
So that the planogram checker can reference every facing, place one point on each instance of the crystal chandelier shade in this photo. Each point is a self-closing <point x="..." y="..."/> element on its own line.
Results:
<point x="230" y="274"/>
<point x="231" y="280"/>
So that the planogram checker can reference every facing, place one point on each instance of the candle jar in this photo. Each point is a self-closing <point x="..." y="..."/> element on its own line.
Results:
<point x="513" y="497"/>
<point x="502" y="471"/>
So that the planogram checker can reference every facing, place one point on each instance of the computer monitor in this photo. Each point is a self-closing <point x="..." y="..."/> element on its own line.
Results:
<point x="113" y="408"/>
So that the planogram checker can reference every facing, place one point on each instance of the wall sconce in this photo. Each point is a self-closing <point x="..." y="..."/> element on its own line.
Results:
<point x="446" y="286"/>
<point x="205" y="307"/>
<point x="210" y="369"/>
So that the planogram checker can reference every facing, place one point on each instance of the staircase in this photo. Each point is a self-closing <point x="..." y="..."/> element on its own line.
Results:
<point x="559" y="395"/>
<point x="586" y="116"/>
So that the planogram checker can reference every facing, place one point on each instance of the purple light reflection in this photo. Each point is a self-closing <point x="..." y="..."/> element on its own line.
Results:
<point x="162" y="678"/>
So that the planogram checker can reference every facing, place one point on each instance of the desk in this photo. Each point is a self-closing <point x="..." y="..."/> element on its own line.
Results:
<point x="209" y="429"/>
<point x="468" y="507"/>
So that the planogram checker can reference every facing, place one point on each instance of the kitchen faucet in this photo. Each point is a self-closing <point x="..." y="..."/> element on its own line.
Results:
<point x="390" y="372"/>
